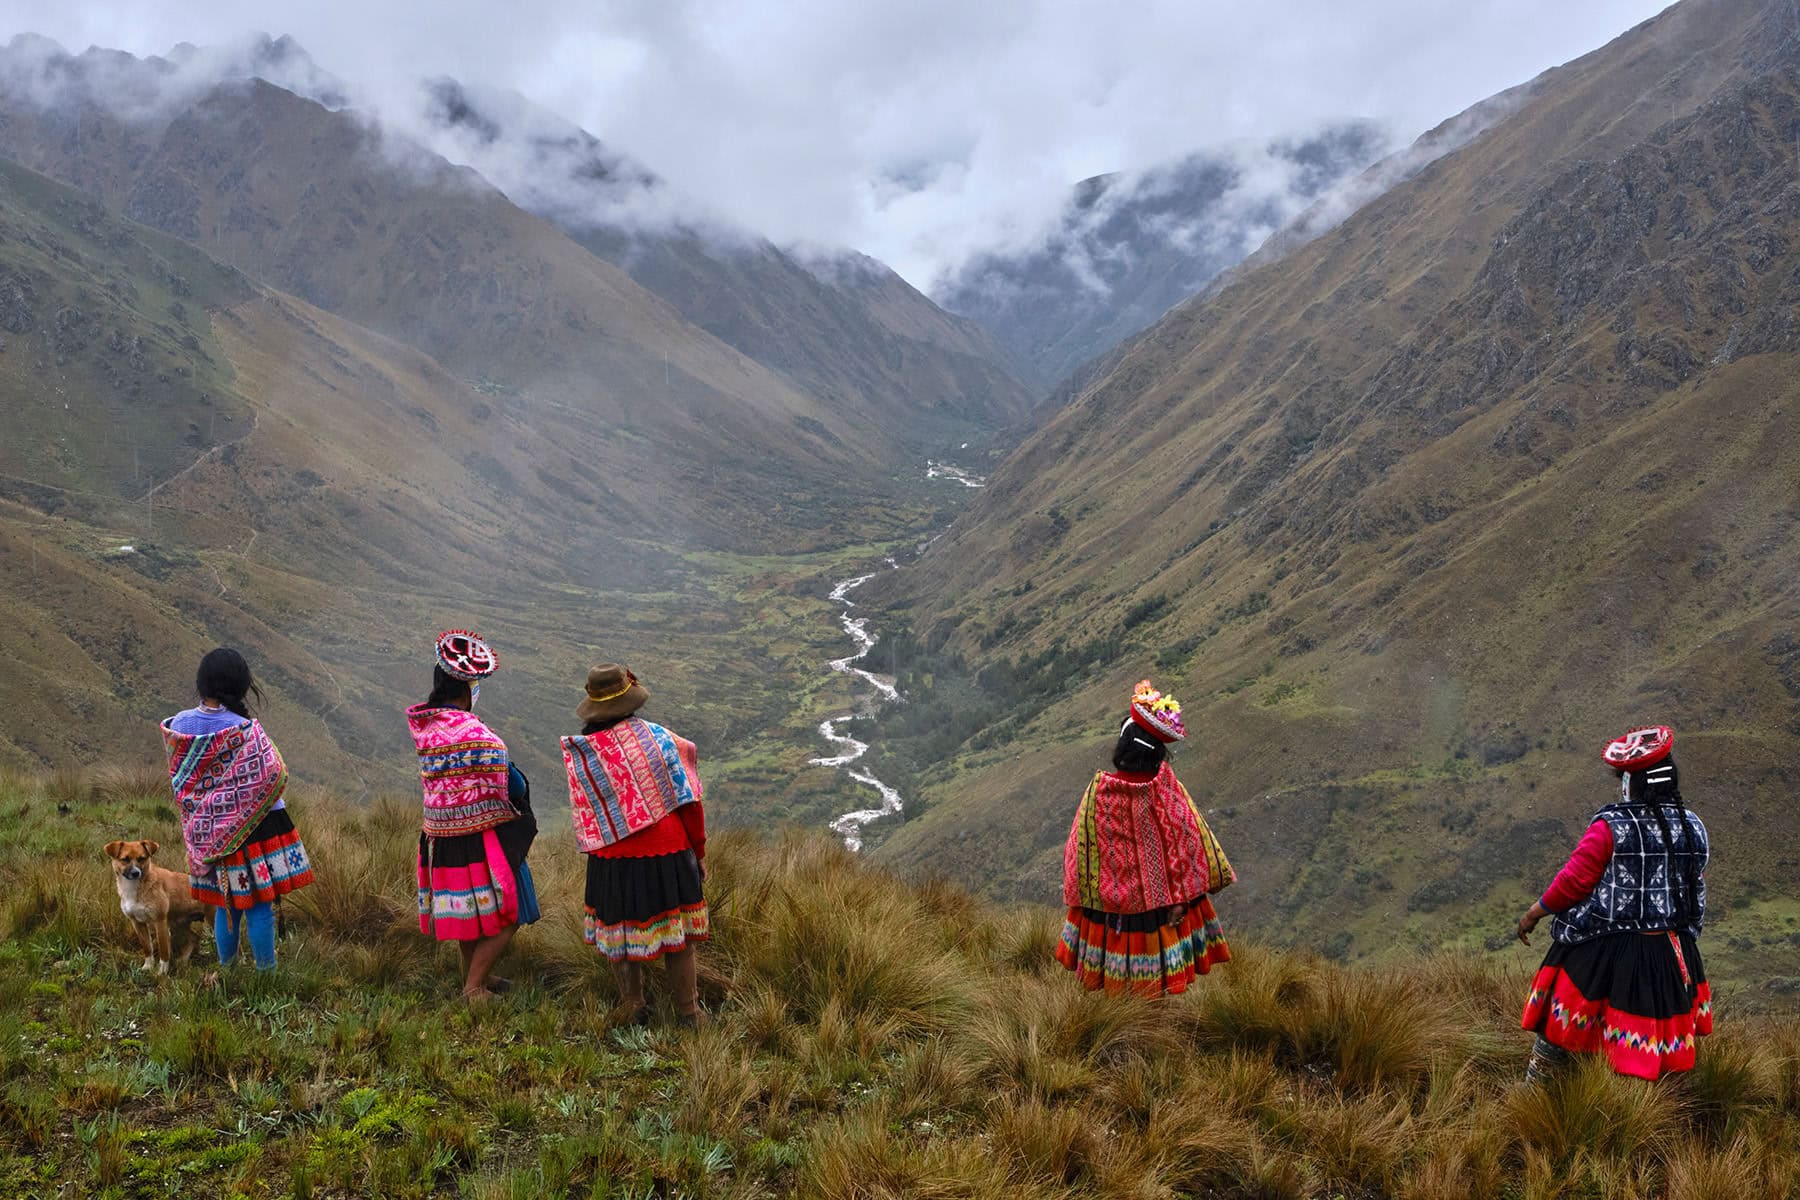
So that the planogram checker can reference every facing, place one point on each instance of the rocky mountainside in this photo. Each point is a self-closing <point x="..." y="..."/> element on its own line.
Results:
<point x="376" y="228"/>
<point x="1128" y="247"/>
<point x="195" y="459"/>
<point x="842" y="325"/>
<point x="1416" y="516"/>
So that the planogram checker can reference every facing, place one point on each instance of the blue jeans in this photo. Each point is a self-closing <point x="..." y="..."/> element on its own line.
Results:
<point x="260" y="922"/>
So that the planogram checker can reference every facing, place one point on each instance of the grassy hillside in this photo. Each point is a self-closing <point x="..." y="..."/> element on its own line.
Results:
<point x="1413" y="519"/>
<point x="202" y="461"/>
<point x="873" y="1040"/>
<point x="762" y="435"/>
<point x="317" y="204"/>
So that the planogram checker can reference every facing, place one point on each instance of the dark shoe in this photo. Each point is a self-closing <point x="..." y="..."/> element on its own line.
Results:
<point x="697" y="1019"/>
<point x="499" y="986"/>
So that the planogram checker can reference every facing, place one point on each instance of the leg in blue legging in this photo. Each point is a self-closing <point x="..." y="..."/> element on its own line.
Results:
<point x="225" y="934"/>
<point x="260" y="921"/>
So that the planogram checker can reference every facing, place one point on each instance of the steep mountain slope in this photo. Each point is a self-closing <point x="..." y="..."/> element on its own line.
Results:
<point x="1416" y="516"/>
<point x="196" y="460"/>
<point x="1127" y="248"/>
<point x="381" y="232"/>
<point x="842" y="325"/>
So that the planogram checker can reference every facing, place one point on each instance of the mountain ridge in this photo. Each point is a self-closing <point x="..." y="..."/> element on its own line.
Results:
<point x="1353" y="508"/>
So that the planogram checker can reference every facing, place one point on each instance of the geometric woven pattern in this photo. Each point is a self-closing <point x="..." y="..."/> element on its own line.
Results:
<point x="1644" y="886"/>
<point x="1136" y="846"/>
<point x="627" y="778"/>
<point x="462" y="771"/>
<point x="225" y="783"/>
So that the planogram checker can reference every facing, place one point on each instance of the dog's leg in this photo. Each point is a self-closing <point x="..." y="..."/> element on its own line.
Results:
<point x="162" y="946"/>
<point x="149" y="940"/>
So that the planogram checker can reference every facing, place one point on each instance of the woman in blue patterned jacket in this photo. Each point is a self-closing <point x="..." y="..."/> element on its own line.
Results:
<point x="1623" y="975"/>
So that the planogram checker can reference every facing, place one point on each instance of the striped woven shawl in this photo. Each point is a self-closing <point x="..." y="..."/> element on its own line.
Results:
<point x="627" y="778"/>
<point x="462" y="767"/>
<point x="1139" y="846"/>
<point x="225" y="783"/>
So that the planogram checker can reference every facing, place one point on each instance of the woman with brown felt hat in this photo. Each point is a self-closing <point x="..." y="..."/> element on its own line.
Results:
<point x="634" y="796"/>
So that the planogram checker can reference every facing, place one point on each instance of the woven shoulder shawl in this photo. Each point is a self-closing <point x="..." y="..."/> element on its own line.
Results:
<point x="462" y="765"/>
<point x="1135" y="847"/>
<point x="225" y="783"/>
<point x="625" y="779"/>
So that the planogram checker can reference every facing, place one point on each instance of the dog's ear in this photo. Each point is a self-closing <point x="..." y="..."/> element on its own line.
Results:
<point x="151" y="848"/>
<point x="113" y="848"/>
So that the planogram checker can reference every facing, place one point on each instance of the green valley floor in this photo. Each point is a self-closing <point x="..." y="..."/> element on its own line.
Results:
<point x="872" y="1038"/>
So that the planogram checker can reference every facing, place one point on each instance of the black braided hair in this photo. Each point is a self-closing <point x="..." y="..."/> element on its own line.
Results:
<point x="447" y="691"/>
<point x="223" y="675"/>
<point x="1659" y="787"/>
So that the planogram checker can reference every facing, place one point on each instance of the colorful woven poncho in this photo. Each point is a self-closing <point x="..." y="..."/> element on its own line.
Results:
<point x="225" y="783"/>
<point x="1138" y="846"/>
<point x="462" y="765"/>
<point x="626" y="779"/>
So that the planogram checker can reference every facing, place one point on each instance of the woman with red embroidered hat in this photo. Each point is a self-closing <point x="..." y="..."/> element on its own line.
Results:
<point x="1623" y="975"/>
<point x="634" y="796"/>
<point x="1139" y="867"/>
<point x="474" y="886"/>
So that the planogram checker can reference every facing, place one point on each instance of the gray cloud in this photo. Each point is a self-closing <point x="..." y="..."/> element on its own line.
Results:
<point x="920" y="131"/>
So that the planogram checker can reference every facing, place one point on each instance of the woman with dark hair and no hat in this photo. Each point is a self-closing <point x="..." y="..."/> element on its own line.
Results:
<point x="230" y="782"/>
<point x="634" y="796"/>
<point x="1139" y="866"/>
<point x="477" y="826"/>
<point x="1623" y="975"/>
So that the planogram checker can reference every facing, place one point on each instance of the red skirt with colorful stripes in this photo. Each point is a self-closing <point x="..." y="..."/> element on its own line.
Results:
<point x="1140" y="951"/>
<point x="271" y="863"/>
<point x="468" y="888"/>
<point x="1641" y="999"/>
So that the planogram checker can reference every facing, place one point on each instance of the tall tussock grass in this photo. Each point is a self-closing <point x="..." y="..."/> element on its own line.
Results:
<point x="872" y="1040"/>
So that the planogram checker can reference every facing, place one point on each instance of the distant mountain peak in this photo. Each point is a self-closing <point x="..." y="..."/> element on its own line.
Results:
<point x="1130" y="245"/>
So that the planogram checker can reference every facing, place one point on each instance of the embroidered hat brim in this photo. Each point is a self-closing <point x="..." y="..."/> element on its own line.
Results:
<point x="465" y="655"/>
<point x="1161" y="730"/>
<point x="1639" y="748"/>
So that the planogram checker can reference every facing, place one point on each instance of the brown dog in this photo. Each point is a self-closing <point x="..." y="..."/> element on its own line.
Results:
<point x="156" y="899"/>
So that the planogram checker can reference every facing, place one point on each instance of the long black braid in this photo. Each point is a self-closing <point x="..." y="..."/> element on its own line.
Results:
<point x="1659" y="787"/>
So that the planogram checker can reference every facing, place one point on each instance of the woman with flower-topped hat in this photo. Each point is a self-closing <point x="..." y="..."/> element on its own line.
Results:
<point x="230" y="783"/>
<point x="477" y="827"/>
<point x="1139" y="866"/>
<point x="1623" y="975"/>
<point x="634" y="795"/>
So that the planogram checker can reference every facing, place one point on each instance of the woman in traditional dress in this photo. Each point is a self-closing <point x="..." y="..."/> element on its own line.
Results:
<point x="634" y="795"/>
<point x="474" y="886"/>
<point x="1139" y="866"/>
<point x="1623" y="975"/>
<point x="242" y="849"/>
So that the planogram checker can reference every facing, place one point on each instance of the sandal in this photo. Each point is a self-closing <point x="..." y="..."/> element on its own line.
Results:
<point x="498" y="986"/>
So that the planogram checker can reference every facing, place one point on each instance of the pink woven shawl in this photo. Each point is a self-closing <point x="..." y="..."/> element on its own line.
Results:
<point x="225" y="783"/>
<point x="462" y="767"/>
<point x="625" y="779"/>
<point x="1138" y="846"/>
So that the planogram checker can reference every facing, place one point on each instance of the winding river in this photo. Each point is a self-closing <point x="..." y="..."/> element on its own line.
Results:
<point x="849" y="826"/>
<point x="849" y="750"/>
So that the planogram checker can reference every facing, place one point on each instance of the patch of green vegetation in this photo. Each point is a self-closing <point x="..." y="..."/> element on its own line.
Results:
<point x="864" y="1030"/>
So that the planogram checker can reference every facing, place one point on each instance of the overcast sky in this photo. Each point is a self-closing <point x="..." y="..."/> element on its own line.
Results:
<point x="914" y="131"/>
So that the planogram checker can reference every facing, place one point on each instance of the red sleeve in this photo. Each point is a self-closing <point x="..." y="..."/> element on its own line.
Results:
<point x="1579" y="875"/>
<point x="693" y="819"/>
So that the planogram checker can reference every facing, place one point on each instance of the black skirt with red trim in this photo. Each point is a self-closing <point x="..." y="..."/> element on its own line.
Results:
<point x="1641" y="999"/>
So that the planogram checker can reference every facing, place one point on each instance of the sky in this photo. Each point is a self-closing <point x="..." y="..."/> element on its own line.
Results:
<point x="918" y="132"/>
